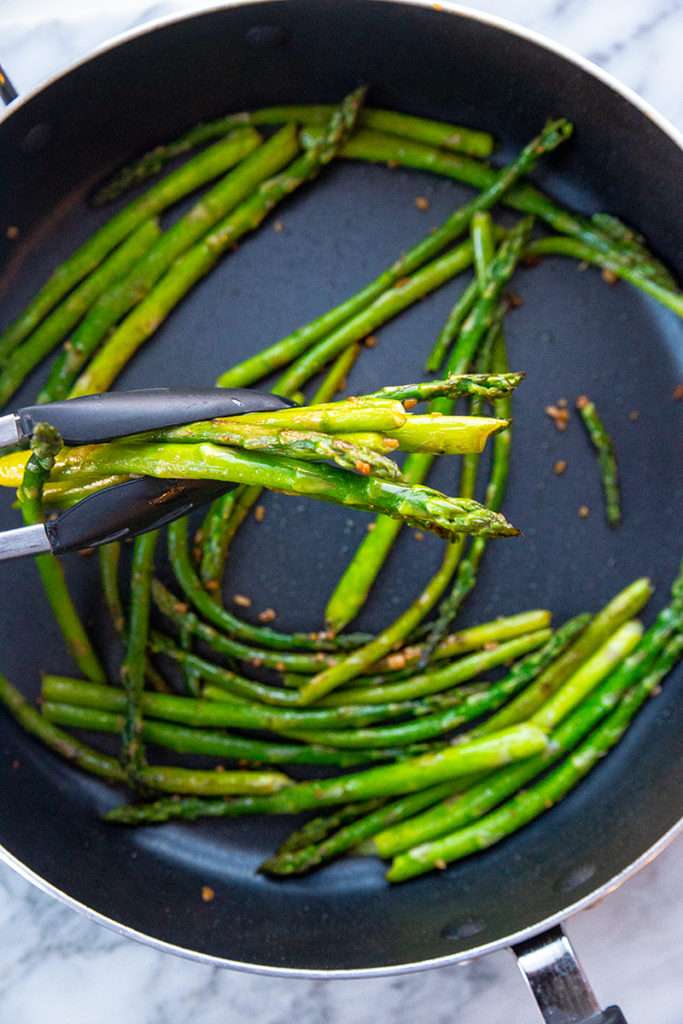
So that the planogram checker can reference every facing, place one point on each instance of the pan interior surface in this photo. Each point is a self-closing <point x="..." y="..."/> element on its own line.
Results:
<point x="573" y="334"/>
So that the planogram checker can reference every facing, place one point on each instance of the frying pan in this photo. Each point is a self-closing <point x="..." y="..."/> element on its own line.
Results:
<point x="572" y="334"/>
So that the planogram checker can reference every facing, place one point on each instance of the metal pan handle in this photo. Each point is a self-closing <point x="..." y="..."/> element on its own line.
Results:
<point x="7" y="90"/>
<point x="557" y="982"/>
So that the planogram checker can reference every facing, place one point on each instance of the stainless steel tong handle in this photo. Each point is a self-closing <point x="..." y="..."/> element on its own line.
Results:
<point x="557" y="982"/>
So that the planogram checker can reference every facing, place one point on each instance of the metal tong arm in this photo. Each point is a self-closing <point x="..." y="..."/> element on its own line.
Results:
<point x="114" y="414"/>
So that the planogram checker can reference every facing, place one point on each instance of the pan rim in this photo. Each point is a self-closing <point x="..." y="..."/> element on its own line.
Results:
<point x="596" y="895"/>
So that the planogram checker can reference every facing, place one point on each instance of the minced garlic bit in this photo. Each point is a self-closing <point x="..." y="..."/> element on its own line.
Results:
<point x="584" y="511"/>
<point x="370" y="341"/>
<point x="242" y="600"/>
<point x="634" y="415"/>
<point x="207" y="893"/>
<point x="608" y="276"/>
<point x="278" y="226"/>
<point x="422" y="202"/>
<point x="559" y="416"/>
<point x="12" y="232"/>
<point x="513" y="300"/>
<point x="260" y="513"/>
<point x="560" y="467"/>
<point x="678" y="393"/>
<point x="418" y="535"/>
<point x="267" y="615"/>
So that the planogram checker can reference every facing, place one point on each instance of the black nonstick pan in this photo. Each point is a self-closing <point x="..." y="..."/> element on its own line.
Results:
<point x="573" y="333"/>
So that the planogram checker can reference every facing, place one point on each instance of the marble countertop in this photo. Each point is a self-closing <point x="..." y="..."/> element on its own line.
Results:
<point x="56" y="964"/>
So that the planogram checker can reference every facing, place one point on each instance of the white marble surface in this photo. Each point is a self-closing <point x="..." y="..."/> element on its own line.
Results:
<point x="56" y="965"/>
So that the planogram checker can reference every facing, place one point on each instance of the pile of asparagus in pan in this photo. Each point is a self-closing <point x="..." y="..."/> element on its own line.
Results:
<point x="426" y="760"/>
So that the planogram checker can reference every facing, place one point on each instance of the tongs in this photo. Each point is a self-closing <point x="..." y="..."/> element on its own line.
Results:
<point x="136" y="506"/>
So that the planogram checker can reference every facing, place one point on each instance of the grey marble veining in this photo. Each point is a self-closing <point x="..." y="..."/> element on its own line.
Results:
<point x="57" y="966"/>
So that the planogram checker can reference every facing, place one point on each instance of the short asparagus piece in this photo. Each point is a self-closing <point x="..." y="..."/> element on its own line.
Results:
<point x="407" y="776"/>
<point x="45" y="444"/>
<point x="202" y="257"/>
<point x="195" y="173"/>
<point x="604" y="446"/>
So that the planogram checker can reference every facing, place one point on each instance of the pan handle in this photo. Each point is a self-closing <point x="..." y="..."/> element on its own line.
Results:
<point x="557" y="982"/>
<point x="7" y="90"/>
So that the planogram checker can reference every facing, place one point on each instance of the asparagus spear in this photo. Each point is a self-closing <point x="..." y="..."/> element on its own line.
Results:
<point x="406" y="776"/>
<point x="109" y="558"/>
<point x="453" y="814"/>
<point x="85" y="757"/>
<point x="454" y="385"/>
<point x="45" y="444"/>
<point x="299" y="859"/>
<point x="220" y="714"/>
<point x="181" y="564"/>
<point x="466" y="576"/>
<point x="303" y="338"/>
<point x="422" y="507"/>
<point x="158" y="777"/>
<point x="432" y="681"/>
<point x="449" y="332"/>
<point x="624" y="606"/>
<point x="212" y="743"/>
<point x="531" y="802"/>
<point x="436" y="133"/>
<point x="354" y="585"/>
<point x="604" y="446"/>
<point x="195" y="173"/>
<point x="336" y="377"/>
<point x="133" y="668"/>
<point x="346" y="451"/>
<point x="202" y="257"/>
<point x="59" y="322"/>
<point x="378" y="147"/>
<point x="671" y="298"/>
<point x="261" y="162"/>
<point x="519" y="676"/>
